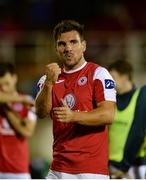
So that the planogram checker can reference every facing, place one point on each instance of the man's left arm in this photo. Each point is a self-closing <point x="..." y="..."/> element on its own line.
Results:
<point x="103" y="114"/>
<point x="22" y="125"/>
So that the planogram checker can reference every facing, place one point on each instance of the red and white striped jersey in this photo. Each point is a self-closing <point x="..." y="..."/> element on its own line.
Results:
<point x="78" y="148"/>
<point x="14" y="157"/>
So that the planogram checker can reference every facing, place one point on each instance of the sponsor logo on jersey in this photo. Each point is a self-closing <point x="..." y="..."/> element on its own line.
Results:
<point x="82" y="81"/>
<point x="109" y="84"/>
<point x="70" y="100"/>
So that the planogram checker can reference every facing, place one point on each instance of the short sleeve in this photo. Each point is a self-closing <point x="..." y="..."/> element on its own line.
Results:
<point x="104" y="85"/>
<point x="40" y="83"/>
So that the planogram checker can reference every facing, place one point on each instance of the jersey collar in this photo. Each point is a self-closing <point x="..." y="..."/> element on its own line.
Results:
<point x="75" y="70"/>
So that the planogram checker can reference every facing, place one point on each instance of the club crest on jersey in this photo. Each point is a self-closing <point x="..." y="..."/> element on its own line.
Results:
<point x="82" y="81"/>
<point x="109" y="84"/>
<point x="70" y="100"/>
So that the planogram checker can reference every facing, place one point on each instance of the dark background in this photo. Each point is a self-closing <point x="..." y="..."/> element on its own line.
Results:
<point x="114" y="29"/>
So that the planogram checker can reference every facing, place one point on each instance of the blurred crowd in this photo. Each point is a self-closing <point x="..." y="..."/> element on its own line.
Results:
<point x="114" y="30"/>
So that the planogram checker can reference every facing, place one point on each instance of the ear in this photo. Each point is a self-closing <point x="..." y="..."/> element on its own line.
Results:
<point x="55" y="46"/>
<point x="125" y="77"/>
<point x="56" y="49"/>
<point x="84" y="45"/>
<point x="15" y="78"/>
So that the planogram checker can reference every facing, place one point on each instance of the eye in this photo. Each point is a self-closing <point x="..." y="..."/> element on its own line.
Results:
<point x="74" y="41"/>
<point x="61" y="43"/>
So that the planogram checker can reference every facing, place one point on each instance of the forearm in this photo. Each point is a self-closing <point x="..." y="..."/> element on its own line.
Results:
<point x="7" y="98"/>
<point x="96" y="117"/>
<point x="21" y="125"/>
<point x="103" y="114"/>
<point x="43" y="102"/>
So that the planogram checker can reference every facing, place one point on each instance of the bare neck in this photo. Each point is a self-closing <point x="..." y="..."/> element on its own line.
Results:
<point x="75" y="66"/>
<point x="126" y="87"/>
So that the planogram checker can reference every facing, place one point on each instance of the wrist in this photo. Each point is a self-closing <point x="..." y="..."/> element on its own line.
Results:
<point x="48" y="83"/>
<point x="76" y="116"/>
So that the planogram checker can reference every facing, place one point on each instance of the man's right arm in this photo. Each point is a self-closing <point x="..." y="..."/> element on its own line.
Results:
<point x="9" y="98"/>
<point x="6" y="98"/>
<point x="43" y="101"/>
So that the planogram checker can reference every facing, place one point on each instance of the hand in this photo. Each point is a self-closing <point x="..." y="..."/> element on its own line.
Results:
<point x="63" y="113"/>
<point x="52" y="72"/>
<point x="27" y="100"/>
<point x="118" y="174"/>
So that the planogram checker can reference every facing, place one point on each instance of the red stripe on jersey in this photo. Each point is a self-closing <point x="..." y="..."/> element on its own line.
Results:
<point x="14" y="157"/>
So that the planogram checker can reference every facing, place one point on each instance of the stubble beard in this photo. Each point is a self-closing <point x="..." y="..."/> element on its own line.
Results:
<point x="72" y="65"/>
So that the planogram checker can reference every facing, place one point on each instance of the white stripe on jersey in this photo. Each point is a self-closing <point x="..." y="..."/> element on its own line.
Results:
<point x="41" y="82"/>
<point x="102" y="74"/>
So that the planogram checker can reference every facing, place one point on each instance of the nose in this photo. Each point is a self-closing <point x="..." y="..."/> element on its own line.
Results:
<point x="68" y="47"/>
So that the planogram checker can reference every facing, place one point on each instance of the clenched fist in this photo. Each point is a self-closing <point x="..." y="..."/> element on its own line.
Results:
<point x="52" y="72"/>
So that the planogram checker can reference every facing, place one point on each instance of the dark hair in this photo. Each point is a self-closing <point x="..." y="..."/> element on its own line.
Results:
<point x="66" y="26"/>
<point x="122" y="66"/>
<point x="6" y="67"/>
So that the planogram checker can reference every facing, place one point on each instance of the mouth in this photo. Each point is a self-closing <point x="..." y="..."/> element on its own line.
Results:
<point x="69" y="56"/>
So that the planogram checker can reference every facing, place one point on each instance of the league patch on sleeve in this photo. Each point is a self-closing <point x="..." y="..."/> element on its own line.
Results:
<point x="109" y="84"/>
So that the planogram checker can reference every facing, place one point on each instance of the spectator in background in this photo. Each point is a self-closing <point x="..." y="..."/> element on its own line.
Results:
<point x="80" y="97"/>
<point x="17" y="123"/>
<point x="126" y="134"/>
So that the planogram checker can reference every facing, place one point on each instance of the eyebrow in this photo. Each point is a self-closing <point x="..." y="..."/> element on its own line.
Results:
<point x="74" y="40"/>
<point x="60" y="42"/>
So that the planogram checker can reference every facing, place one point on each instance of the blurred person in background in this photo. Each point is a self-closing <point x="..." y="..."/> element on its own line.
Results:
<point x="17" y="123"/>
<point x="128" y="130"/>
<point x="80" y="98"/>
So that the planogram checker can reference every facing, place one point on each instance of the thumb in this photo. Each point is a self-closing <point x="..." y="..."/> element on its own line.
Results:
<point x="63" y="103"/>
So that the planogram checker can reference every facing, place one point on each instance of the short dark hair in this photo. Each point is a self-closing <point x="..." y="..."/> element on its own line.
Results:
<point x="7" y="67"/>
<point x="122" y="66"/>
<point x="66" y="26"/>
